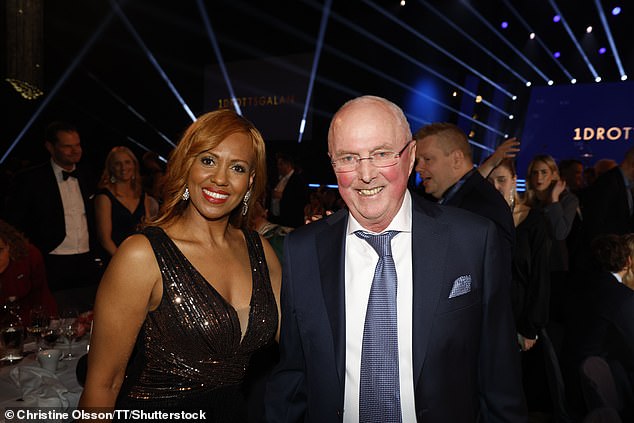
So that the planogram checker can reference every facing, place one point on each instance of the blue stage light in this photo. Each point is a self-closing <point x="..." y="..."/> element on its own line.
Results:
<point x="556" y="55"/>
<point x="556" y="18"/>
<point x="616" y="11"/>
<point x="602" y="50"/>
<point x="504" y="25"/>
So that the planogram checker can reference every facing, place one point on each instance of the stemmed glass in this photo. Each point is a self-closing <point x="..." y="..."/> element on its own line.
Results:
<point x="50" y="333"/>
<point x="39" y="321"/>
<point x="68" y="329"/>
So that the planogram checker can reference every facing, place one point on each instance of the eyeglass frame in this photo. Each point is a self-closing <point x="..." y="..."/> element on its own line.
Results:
<point x="397" y="156"/>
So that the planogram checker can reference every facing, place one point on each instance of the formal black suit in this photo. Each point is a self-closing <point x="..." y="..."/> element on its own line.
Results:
<point x="35" y="207"/>
<point x="606" y="209"/>
<point x="479" y="196"/>
<point x="294" y="199"/>
<point x="599" y="322"/>
<point x="465" y="356"/>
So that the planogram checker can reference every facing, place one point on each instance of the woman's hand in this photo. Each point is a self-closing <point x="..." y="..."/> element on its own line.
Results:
<point x="507" y="150"/>
<point x="558" y="188"/>
<point x="526" y="343"/>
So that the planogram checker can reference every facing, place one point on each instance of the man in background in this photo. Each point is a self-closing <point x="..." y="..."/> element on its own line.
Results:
<point x="445" y="165"/>
<point x="52" y="204"/>
<point x="289" y="196"/>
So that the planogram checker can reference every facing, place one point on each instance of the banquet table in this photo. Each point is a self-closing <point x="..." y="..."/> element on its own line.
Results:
<point x="43" y="388"/>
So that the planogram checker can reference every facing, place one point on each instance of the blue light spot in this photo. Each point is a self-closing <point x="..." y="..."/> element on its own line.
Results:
<point x="423" y="101"/>
<point x="557" y="54"/>
<point x="556" y="18"/>
<point x="504" y="25"/>
<point x="602" y="50"/>
<point x="616" y="11"/>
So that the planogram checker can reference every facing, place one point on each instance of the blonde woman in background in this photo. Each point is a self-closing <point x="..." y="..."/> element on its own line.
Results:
<point x="120" y="204"/>
<point x="547" y="192"/>
<point x="531" y="270"/>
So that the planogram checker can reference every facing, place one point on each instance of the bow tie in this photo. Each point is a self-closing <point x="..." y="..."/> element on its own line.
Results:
<point x="66" y="175"/>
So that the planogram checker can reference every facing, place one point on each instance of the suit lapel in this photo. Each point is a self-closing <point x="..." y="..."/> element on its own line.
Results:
<point x="429" y="254"/>
<point x="56" y="205"/>
<point x="331" y="252"/>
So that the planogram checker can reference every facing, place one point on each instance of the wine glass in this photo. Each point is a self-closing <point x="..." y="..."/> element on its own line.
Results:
<point x="38" y="321"/>
<point x="50" y="334"/>
<point x="68" y="329"/>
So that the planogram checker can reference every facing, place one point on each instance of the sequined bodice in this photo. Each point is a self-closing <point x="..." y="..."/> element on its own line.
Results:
<point x="193" y="342"/>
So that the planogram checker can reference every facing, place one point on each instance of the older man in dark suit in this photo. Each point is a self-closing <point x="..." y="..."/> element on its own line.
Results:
<point x="397" y="309"/>
<point x="52" y="204"/>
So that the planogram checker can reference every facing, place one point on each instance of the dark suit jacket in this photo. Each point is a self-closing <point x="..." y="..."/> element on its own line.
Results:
<point x="35" y="205"/>
<point x="606" y="209"/>
<point x="465" y="355"/>
<point x="294" y="198"/>
<point x="480" y="197"/>
<point x="601" y="320"/>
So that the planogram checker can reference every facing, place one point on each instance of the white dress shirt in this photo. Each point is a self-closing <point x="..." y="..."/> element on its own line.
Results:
<point x="360" y="261"/>
<point x="76" y="240"/>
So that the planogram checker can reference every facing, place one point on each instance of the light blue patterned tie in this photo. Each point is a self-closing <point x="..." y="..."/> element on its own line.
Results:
<point x="379" y="396"/>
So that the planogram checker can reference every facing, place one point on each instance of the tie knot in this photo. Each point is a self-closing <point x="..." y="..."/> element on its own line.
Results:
<point x="380" y="242"/>
<point x="66" y="175"/>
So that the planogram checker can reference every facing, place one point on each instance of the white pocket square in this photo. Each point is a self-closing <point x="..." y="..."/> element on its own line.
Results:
<point x="461" y="286"/>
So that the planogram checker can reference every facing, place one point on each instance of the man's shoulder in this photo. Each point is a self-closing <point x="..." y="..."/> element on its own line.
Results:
<point x="445" y="213"/>
<point x="33" y="174"/>
<point x="37" y="169"/>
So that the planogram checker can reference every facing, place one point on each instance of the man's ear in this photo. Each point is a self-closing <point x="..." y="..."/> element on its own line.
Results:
<point x="457" y="158"/>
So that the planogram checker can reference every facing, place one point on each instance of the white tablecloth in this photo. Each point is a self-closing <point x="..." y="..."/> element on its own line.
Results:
<point x="11" y="394"/>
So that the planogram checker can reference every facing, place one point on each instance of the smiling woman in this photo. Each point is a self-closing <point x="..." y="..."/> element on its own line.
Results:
<point x="120" y="203"/>
<point x="195" y="294"/>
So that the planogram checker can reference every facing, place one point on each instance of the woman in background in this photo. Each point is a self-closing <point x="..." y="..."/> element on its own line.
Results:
<point x="22" y="274"/>
<point x="196" y="293"/>
<point x="547" y="192"/>
<point x="531" y="271"/>
<point x="120" y="204"/>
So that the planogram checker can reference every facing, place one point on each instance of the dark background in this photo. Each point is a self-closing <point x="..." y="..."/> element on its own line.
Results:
<point x="98" y="73"/>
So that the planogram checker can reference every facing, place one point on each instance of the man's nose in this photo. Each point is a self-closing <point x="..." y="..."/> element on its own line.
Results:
<point x="366" y="170"/>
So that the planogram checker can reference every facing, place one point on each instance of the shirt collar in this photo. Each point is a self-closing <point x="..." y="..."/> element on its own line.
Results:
<point x="57" y="169"/>
<point x="455" y="187"/>
<point x="618" y="277"/>
<point x="402" y="222"/>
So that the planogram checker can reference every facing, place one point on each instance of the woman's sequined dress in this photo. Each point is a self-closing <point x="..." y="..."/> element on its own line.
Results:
<point x="190" y="353"/>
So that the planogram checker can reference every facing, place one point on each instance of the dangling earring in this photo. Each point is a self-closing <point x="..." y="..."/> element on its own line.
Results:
<point x="186" y="194"/>
<point x="245" y="203"/>
<point x="512" y="199"/>
<point x="113" y="179"/>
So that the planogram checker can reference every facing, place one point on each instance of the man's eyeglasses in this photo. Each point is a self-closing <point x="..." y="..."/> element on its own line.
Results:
<point x="380" y="158"/>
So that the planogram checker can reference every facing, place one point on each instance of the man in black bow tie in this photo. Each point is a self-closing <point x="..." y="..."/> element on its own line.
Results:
<point x="51" y="203"/>
<point x="66" y="175"/>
